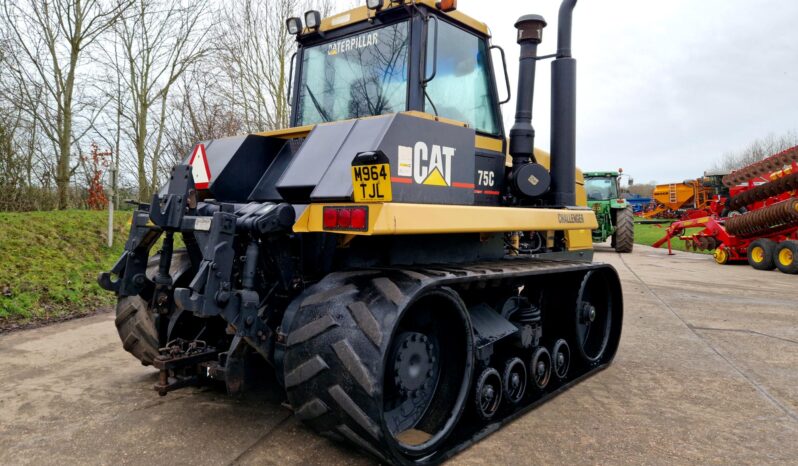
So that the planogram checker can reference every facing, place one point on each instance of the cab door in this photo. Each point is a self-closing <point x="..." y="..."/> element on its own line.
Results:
<point x="464" y="89"/>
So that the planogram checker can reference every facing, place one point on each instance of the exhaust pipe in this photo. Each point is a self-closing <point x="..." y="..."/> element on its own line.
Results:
<point x="528" y="179"/>
<point x="522" y="134"/>
<point x="563" y="113"/>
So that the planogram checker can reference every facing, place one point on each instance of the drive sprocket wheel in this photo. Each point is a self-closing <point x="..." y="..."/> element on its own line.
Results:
<point x="371" y="358"/>
<point x="136" y="324"/>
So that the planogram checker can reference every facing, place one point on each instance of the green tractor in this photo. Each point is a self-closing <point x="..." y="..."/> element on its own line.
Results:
<point x="614" y="214"/>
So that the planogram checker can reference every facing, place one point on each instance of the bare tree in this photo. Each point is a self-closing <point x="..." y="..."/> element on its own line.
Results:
<point x="255" y="51"/>
<point x="756" y="151"/>
<point x="49" y="38"/>
<point x="159" y="40"/>
<point x="199" y="114"/>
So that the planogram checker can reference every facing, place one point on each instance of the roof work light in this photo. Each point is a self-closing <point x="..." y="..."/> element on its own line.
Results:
<point x="294" y="26"/>
<point x="313" y="19"/>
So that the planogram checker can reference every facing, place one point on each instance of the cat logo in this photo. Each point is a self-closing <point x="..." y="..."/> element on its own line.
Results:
<point x="427" y="165"/>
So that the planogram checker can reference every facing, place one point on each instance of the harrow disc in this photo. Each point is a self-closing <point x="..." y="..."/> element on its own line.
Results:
<point x="759" y="222"/>
<point x="762" y="192"/>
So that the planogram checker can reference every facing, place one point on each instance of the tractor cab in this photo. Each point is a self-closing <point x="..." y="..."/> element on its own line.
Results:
<point x="602" y="186"/>
<point x="389" y="57"/>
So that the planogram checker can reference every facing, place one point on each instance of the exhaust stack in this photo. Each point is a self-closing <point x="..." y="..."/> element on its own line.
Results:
<point x="563" y="113"/>
<point x="528" y="179"/>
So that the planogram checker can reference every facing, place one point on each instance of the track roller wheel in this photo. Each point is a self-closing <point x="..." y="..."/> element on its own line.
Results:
<point x="514" y="380"/>
<point x="488" y="393"/>
<point x="595" y="329"/>
<point x="786" y="257"/>
<point x="540" y="368"/>
<point x="371" y="359"/>
<point x="561" y="358"/>
<point x="761" y="254"/>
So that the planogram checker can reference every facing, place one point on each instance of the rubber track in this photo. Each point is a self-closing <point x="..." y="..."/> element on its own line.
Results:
<point x="134" y="321"/>
<point x="624" y="231"/>
<point x="338" y="335"/>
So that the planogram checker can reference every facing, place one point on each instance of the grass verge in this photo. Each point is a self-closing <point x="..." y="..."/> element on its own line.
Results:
<point x="50" y="262"/>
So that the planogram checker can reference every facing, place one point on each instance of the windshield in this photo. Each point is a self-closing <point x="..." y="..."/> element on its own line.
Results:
<point x="361" y="75"/>
<point x="601" y="189"/>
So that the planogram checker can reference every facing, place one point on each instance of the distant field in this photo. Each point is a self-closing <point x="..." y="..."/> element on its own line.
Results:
<point x="649" y="233"/>
<point x="49" y="263"/>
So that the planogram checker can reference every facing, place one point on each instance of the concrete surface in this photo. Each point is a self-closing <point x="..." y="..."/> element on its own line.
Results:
<point x="707" y="373"/>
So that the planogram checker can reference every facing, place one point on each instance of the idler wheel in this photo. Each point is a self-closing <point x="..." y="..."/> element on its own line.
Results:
<point x="593" y="322"/>
<point x="488" y="393"/>
<point x="540" y="368"/>
<point x="514" y="380"/>
<point x="561" y="358"/>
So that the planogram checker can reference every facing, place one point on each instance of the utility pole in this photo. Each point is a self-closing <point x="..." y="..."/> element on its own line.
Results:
<point x="112" y="201"/>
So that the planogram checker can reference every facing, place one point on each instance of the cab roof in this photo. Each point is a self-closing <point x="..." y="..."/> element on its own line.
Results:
<point x="600" y="174"/>
<point x="362" y="13"/>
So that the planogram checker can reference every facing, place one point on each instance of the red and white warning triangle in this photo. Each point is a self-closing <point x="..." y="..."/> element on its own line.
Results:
<point x="199" y="167"/>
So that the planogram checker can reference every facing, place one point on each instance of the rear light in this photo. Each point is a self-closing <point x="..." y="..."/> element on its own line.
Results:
<point x="330" y="218"/>
<point x="359" y="219"/>
<point x="346" y="218"/>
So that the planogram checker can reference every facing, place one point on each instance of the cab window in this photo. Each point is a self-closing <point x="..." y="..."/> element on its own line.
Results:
<point x="601" y="189"/>
<point x="358" y="76"/>
<point x="461" y="89"/>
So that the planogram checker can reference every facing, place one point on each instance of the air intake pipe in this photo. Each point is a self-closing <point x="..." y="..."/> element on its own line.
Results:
<point x="563" y="113"/>
<point x="528" y="179"/>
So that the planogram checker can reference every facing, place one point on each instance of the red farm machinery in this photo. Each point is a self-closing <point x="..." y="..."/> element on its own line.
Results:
<point x="757" y="222"/>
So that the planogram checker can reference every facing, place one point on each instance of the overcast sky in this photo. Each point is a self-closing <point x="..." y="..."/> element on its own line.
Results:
<point x="664" y="88"/>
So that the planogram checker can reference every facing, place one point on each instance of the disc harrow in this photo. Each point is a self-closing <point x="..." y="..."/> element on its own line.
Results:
<point x="763" y="168"/>
<point x="762" y="221"/>
<point x="762" y="192"/>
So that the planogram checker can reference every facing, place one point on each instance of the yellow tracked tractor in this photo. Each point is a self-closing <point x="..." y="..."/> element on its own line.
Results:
<point x="413" y="277"/>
